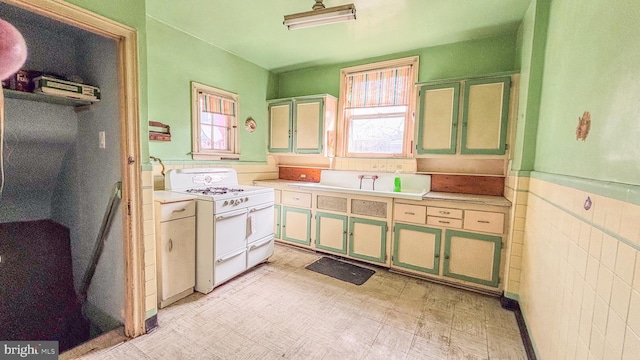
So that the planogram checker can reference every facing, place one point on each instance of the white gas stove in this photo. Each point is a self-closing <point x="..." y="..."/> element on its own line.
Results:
<point x="234" y="223"/>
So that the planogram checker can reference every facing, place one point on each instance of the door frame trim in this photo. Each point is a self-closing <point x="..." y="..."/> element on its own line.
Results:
<point x="127" y="45"/>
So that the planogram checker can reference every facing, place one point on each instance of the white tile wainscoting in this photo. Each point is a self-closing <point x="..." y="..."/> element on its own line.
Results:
<point x="577" y="274"/>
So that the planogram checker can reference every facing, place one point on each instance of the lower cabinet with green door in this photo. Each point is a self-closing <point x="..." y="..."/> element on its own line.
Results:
<point x="331" y="232"/>
<point x="472" y="257"/>
<point x="296" y="225"/>
<point x="459" y="244"/>
<point x="416" y="248"/>
<point x="368" y="239"/>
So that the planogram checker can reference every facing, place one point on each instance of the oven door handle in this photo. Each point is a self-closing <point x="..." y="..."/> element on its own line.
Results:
<point x="223" y="259"/>
<point x="260" y="208"/>
<point x="231" y="214"/>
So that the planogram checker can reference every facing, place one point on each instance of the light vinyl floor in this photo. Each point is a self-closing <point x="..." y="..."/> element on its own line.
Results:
<point x="280" y="310"/>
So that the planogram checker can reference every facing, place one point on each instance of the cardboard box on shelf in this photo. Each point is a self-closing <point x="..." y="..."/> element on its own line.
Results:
<point x="56" y="87"/>
<point x="22" y="80"/>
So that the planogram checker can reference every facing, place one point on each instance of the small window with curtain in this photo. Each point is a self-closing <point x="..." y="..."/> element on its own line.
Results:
<point x="377" y="108"/>
<point x="214" y="114"/>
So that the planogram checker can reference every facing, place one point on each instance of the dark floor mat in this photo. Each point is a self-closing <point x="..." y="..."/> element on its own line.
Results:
<point x="341" y="270"/>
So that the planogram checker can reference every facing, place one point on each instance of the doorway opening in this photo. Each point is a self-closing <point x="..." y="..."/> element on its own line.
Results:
<point x="60" y="176"/>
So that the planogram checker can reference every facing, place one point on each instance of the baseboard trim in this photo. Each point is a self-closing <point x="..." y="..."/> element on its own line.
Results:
<point x="151" y="323"/>
<point x="514" y="305"/>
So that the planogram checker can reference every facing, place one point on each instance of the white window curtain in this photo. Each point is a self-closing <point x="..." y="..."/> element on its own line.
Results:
<point x="387" y="87"/>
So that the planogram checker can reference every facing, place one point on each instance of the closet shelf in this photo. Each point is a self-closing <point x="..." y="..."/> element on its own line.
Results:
<point x="13" y="94"/>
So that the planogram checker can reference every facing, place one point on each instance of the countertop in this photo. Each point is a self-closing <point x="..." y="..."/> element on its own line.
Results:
<point x="433" y="195"/>
<point x="164" y="197"/>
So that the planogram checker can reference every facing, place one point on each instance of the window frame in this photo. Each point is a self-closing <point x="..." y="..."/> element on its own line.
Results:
<point x="197" y="152"/>
<point x="343" y="124"/>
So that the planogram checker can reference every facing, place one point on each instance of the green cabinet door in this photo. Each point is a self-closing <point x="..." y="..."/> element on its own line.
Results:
<point x="438" y="119"/>
<point x="472" y="257"/>
<point x="368" y="239"/>
<point x="486" y="112"/>
<point x="296" y="225"/>
<point x="280" y="120"/>
<point x="331" y="232"/>
<point x="416" y="248"/>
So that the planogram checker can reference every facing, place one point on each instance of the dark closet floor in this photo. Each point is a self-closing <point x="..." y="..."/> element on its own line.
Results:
<point x="37" y="298"/>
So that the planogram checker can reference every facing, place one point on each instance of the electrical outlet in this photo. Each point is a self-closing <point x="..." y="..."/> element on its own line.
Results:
<point x="101" y="141"/>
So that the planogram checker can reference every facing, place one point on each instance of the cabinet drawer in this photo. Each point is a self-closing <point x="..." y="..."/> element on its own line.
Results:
<point x="444" y="212"/>
<point x="446" y="222"/>
<point x="277" y="195"/>
<point x="410" y="213"/>
<point x="178" y="210"/>
<point x="296" y="199"/>
<point x="484" y="221"/>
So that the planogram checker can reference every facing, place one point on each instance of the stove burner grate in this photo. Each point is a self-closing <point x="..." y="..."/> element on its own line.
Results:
<point x="215" y="190"/>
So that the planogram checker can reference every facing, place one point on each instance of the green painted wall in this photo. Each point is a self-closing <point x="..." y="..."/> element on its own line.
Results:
<point x="591" y="64"/>
<point x="174" y="60"/>
<point x="462" y="59"/>
<point x="131" y="13"/>
<point x="532" y="37"/>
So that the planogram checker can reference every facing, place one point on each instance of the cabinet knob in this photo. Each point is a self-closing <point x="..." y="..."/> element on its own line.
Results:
<point x="446" y="256"/>
<point x="170" y="245"/>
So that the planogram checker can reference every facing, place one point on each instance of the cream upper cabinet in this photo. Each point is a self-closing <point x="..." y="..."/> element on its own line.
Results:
<point x="280" y="116"/>
<point x="302" y="125"/>
<point x="438" y="124"/>
<point x="308" y="126"/>
<point x="464" y="117"/>
<point x="484" y="125"/>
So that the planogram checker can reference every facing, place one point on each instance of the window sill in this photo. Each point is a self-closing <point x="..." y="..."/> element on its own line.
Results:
<point x="213" y="157"/>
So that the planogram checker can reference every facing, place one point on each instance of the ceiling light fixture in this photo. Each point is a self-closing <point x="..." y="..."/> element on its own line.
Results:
<point x="320" y="16"/>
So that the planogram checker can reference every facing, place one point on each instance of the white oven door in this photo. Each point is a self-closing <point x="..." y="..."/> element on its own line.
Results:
<point x="230" y="232"/>
<point x="259" y="222"/>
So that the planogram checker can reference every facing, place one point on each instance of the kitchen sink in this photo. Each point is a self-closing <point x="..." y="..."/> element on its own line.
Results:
<point x="413" y="186"/>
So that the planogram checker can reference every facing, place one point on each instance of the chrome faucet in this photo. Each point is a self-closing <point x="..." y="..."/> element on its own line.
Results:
<point x="372" y="177"/>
